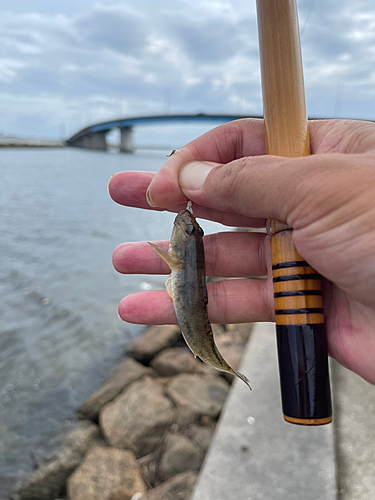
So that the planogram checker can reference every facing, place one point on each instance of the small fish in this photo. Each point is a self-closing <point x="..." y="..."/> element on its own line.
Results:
<point x="187" y="287"/>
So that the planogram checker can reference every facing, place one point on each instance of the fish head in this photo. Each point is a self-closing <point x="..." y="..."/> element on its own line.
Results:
<point x="185" y="228"/>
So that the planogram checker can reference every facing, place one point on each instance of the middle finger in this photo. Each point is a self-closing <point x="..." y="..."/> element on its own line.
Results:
<point x="228" y="254"/>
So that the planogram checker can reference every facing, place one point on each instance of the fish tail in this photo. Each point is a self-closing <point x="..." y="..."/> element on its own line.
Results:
<point x="220" y="364"/>
<point x="223" y="365"/>
<point x="243" y="378"/>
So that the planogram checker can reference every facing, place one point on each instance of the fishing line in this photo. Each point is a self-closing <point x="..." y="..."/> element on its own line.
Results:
<point x="189" y="206"/>
<point x="308" y="16"/>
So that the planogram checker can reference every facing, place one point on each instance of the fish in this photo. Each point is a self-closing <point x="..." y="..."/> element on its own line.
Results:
<point x="187" y="287"/>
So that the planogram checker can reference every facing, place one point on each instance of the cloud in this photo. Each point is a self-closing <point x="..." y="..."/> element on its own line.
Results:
<point x="118" y="28"/>
<point x="95" y="60"/>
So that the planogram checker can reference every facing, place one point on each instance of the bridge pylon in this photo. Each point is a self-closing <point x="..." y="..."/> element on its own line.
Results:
<point x="126" y="144"/>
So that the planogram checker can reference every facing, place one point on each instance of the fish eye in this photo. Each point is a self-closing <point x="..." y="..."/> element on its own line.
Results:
<point x="200" y="231"/>
<point x="189" y="229"/>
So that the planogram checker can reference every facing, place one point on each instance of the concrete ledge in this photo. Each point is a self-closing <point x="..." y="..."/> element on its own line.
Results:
<point x="255" y="455"/>
<point x="354" y="405"/>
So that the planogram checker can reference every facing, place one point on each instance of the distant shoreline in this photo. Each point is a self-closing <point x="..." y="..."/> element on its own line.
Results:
<point x="17" y="142"/>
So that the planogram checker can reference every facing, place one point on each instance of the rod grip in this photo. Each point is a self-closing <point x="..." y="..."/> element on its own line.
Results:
<point x="301" y="340"/>
<point x="304" y="375"/>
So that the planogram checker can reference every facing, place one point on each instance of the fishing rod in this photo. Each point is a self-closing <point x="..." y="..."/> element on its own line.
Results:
<point x="301" y="339"/>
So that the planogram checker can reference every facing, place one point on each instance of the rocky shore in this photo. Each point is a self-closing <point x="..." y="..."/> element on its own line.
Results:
<point x="143" y="434"/>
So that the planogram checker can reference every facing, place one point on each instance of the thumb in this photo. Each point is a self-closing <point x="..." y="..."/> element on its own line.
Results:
<point x="259" y="186"/>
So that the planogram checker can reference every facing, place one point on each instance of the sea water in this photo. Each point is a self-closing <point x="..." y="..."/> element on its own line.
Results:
<point x="59" y="330"/>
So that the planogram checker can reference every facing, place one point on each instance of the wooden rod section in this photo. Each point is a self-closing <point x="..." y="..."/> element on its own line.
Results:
<point x="301" y="340"/>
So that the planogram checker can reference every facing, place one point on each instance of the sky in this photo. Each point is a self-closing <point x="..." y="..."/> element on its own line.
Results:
<point x="67" y="64"/>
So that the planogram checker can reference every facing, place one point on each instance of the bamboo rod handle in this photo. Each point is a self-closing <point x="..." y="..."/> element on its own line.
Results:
<point x="302" y="350"/>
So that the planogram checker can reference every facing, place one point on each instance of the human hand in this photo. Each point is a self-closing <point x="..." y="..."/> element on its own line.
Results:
<point x="328" y="198"/>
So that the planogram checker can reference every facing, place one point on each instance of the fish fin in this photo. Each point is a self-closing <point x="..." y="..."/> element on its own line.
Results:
<point x="168" y="286"/>
<point x="172" y="261"/>
<point x="204" y="286"/>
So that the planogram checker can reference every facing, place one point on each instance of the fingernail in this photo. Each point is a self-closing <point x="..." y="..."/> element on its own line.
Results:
<point x="149" y="199"/>
<point x="109" y="180"/>
<point x="119" y="317"/>
<point x="193" y="174"/>
<point x="268" y="227"/>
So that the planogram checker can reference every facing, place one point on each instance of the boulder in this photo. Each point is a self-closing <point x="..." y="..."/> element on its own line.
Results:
<point x="137" y="418"/>
<point x="148" y="468"/>
<point x="173" y="361"/>
<point x="82" y="437"/>
<point x="186" y="415"/>
<point x="207" y="370"/>
<point x="239" y="332"/>
<point x="203" y="395"/>
<point x="155" y="339"/>
<point x="179" y="487"/>
<point x="180" y="455"/>
<point x="48" y="481"/>
<point x="217" y="329"/>
<point x="200" y="435"/>
<point x="106" y="474"/>
<point x="127" y="372"/>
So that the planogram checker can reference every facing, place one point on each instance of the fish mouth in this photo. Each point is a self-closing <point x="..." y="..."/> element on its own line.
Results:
<point x="184" y="218"/>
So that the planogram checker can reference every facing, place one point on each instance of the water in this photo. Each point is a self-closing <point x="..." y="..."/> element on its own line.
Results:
<point x="59" y="329"/>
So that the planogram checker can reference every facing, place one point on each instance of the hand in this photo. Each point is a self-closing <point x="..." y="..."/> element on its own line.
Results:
<point x="328" y="198"/>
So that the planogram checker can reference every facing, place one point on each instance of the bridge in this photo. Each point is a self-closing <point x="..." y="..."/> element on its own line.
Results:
<point x="94" y="136"/>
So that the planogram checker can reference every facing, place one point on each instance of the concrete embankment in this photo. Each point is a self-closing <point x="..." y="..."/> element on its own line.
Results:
<point x="144" y="434"/>
<point x="17" y="142"/>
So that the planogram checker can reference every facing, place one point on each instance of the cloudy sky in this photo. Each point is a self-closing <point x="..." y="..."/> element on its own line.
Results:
<point x="65" y="64"/>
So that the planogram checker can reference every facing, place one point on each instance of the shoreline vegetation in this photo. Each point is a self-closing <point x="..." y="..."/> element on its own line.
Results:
<point x="145" y="432"/>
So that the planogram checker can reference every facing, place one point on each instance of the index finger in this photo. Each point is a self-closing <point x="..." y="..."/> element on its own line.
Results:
<point x="220" y="145"/>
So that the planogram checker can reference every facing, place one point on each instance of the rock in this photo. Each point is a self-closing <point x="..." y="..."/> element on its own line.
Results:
<point x="186" y="415"/>
<point x="205" y="396"/>
<point x="106" y="474"/>
<point x="137" y="418"/>
<point x="155" y="339"/>
<point x="179" y="487"/>
<point x="127" y="372"/>
<point x="173" y="361"/>
<point x="217" y="329"/>
<point x="201" y="435"/>
<point x="240" y="332"/>
<point x="82" y="437"/>
<point x="180" y="455"/>
<point x="148" y="468"/>
<point x="208" y="370"/>
<point x="49" y="480"/>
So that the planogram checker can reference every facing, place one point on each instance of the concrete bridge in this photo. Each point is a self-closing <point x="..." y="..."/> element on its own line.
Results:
<point x="93" y="137"/>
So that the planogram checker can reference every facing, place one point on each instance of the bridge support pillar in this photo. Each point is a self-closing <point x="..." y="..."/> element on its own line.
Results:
<point x="126" y="145"/>
<point x="95" y="141"/>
